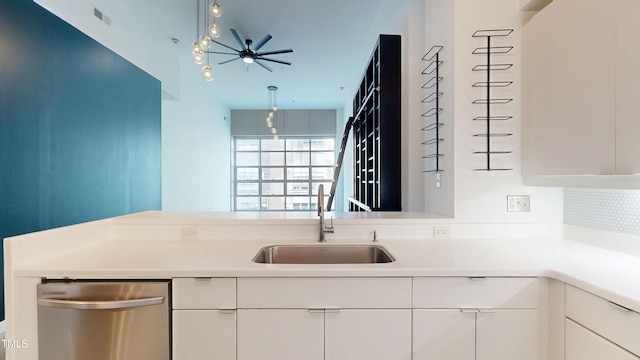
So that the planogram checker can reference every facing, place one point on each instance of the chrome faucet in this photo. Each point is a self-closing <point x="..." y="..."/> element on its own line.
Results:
<point x="323" y="228"/>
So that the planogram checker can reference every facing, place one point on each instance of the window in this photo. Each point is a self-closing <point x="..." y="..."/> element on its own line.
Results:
<point x="282" y="175"/>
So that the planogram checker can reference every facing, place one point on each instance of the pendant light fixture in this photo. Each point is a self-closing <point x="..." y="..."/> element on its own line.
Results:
<point x="199" y="48"/>
<point x="273" y="108"/>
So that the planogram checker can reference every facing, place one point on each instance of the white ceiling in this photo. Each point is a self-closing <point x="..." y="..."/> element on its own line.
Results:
<point x="331" y="39"/>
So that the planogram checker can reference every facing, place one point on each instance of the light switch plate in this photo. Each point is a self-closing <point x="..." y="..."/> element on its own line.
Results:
<point x="518" y="203"/>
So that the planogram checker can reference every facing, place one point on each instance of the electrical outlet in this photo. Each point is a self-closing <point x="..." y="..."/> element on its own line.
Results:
<point x="190" y="233"/>
<point x="441" y="232"/>
<point x="518" y="203"/>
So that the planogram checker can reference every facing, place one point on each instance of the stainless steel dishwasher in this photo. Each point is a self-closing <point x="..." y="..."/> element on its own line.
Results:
<point x="104" y="320"/>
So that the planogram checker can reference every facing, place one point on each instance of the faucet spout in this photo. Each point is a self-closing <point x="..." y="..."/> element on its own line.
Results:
<point x="323" y="229"/>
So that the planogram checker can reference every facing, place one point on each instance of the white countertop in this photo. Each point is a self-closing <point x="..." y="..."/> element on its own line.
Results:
<point x="607" y="273"/>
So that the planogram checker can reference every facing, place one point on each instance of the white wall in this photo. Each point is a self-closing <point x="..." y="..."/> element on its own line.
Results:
<point x="439" y="31"/>
<point x="159" y="60"/>
<point x="196" y="147"/>
<point x="480" y="196"/>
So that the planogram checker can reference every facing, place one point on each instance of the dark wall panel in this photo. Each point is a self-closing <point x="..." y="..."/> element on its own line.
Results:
<point x="79" y="126"/>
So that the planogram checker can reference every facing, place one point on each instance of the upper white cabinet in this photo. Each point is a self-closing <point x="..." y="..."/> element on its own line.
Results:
<point x="628" y="88"/>
<point x="580" y="86"/>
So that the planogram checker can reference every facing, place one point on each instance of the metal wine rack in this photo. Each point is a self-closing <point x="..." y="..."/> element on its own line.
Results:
<point x="433" y="109"/>
<point x="487" y="102"/>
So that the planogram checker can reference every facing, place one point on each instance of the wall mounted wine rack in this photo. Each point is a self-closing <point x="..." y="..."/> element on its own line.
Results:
<point x="433" y="109"/>
<point x="487" y="102"/>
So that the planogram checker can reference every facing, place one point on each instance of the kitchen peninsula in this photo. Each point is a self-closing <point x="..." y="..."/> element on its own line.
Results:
<point x="488" y="274"/>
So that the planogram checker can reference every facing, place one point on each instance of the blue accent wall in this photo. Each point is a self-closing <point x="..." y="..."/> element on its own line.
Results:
<point x="79" y="126"/>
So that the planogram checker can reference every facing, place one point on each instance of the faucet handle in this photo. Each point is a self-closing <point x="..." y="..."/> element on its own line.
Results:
<point x="330" y="227"/>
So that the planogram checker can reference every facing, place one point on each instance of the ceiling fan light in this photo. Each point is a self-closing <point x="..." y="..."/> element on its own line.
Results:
<point x="247" y="59"/>
<point x="214" y="31"/>
<point x="207" y="73"/>
<point x="216" y="10"/>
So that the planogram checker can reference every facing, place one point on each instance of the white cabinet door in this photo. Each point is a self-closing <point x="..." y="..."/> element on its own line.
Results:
<point x="204" y="334"/>
<point x="444" y="335"/>
<point x="627" y="80"/>
<point x="582" y="344"/>
<point x="569" y="88"/>
<point x="507" y="335"/>
<point x="367" y="335"/>
<point x="280" y="334"/>
<point x="475" y="334"/>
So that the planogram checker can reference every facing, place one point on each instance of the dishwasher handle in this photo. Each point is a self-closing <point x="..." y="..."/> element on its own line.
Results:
<point x="100" y="305"/>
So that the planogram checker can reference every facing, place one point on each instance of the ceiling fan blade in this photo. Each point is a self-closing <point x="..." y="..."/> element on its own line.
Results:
<point x="219" y="52"/>
<point x="274" y="60"/>
<point x="228" y="61"/>
<point x="275" y="52"/>
<point x="261" y="43"/>
<point x="228" y="47"/>
<point x="263" y="65"/>
<point x="235" y="35"/>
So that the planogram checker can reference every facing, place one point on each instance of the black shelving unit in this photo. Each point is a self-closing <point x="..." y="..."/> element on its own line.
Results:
<point x="488" y="102"/>
<point x="376" y="131"/>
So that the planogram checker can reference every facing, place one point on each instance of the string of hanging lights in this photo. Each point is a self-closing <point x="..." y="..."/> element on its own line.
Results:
<point x="273" y="108"/>
<point x="210" y="30"/>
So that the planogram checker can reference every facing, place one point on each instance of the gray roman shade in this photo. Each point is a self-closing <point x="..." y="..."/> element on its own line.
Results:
<point x="288" y="122"/>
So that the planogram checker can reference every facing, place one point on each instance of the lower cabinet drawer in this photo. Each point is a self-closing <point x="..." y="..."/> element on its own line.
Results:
<point x="325" y="293"/>
<point x="582" y="344"/>
<point x="613" y="322"/>
<point x="203" y="293"/>
<point x="475" y="292"/>
<point x="204" y="334"/>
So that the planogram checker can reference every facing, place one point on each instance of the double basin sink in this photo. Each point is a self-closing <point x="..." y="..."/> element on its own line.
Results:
<point x="323" y="254"/>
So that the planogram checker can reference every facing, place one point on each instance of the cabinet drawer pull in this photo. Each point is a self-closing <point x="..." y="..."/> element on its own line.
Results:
<point x="619" y="307"/>
<point x="477" y="278"/>
<point x="469" y="310"/>
<point x="227" y="311"/>
<point x="332" y="310"/>
<point x="316" y="310"/>
<point x="487" y="310"/>
<point x="203" y="278"/>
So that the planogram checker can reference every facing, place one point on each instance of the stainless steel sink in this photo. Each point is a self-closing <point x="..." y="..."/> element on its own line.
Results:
<point x="323" y="254"/>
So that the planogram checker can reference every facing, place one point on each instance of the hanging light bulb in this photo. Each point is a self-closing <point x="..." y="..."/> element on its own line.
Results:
<point x="196" y="47"/>
<point x="207" y="73"/>
<point x="274" y="130"/>
<point x="275" y="137"/>
<point x="205" y="42"/>
<point x="269" y="124"/>
<point x="214" y="31"/>
<point x="216" y="10"/>
<point x="198" y="57"/>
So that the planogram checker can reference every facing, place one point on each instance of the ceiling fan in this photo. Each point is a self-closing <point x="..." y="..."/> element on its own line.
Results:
<point x="250" y="54"/>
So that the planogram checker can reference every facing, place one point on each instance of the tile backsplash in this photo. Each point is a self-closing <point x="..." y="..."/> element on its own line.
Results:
<point x="613" y="210"/>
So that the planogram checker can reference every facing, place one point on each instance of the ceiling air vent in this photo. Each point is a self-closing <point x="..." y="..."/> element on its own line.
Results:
<point x="100" y="15"/>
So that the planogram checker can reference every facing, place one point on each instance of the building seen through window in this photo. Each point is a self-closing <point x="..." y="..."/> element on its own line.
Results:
<point x="283" y="174"/>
